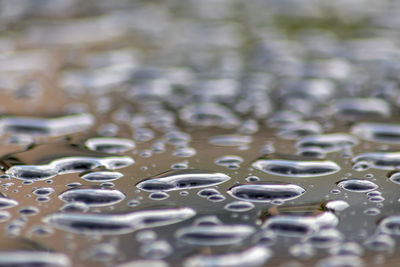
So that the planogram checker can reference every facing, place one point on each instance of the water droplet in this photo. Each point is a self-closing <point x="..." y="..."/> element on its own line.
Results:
<point x="328" y="142"/>
<point x="93" y="197"/>
<point x="379" y="160"/>
<point x="214" y="235"/>
<point x="110" y="144"/>
<point x="299" y="226"/>
<point x="206" y="192"/>
<point x="302" y="251"/>
<point x="356" y="185"/>
<point x="266" y="192"/>
<point x="325" y="238"/>
<point x="231" y="162"/>
<point x="158" y="195"/>
<point x="230" y="140"/>
<point x="48" y="127"/>
<point x="182" y="179"/>
<point x="103" y="176"/>
<point x="341" y="261"/>
<point x="156" y="250"/>
<point x="254" y="256"/>
<point x="33" y="258"/>
<point x="239" y="206"/>
<point x="115" y="224"/>
<point x="293" y="168"/>
<point x="43" y="191"/>
<point x="6" y="203"/>
<point x="380" y="242"/>
<point x="378" y="132"/>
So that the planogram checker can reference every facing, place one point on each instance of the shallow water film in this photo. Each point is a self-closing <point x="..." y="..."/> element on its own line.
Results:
<point x="199" y="133"/>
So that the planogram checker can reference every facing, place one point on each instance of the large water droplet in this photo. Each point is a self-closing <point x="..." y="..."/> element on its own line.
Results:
<point x="292" y="168"/>
<point x="102" y="176"/>
<point x="254" y="256"/>
<point x="92" y="197"/>
<point x="116" y="224"/>
<point x="266" y="192"/>
<point x="214" y="235"/>
<point x="33" y="258"/>
<point x="327" y="142"/>
<point x="378" y="132"/>
<point x="182" y="179"/>
<point x="356" y="185"/>
<point x="110" y="144"/>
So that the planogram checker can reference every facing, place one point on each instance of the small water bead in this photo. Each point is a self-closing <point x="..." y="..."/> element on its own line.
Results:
<point x="380" y="242"/>
<point x="75" y="207"/>
<point x="180" y="166"/>
<point x="41" y="230"/>
<point x="347" y="248"/>
<point x="266" y="192"/>
<point x="93" y="197"/>
<point x="143" y="134"/>
<point x="216" y="198"/>
<point x="253" y="256"/>
<point x="335" y="191"/>
<point x="231" y="162"/>
<point x="141" y="263"/>
<point x="353" y="108"/>
<point x="378" y="132"/>
<point x="239" y="206"/>
<point x="146" y="153"/>
<point x="184" y="152"/>
<point x="312" y="152"/>
<point x="4" y="216"/>
<point x="102" y="252"/>
<point x="327" y="142"/>
<point x="43" y="199"/>
<point x="43" y="191"/>
<point x="265" y="238"/>
<point x="325" y="238"/>
<point x="252" y="179"/>
<point x="158" y="196"/>
<point x="184" y="193"/>
<point x="376" y="199"/>
<point x="29" y="211"/>
<point x="116" y="224"/>
<point x="156" y="250"/>
<point x="209" y="114"/>
<point x="296" y="130"/>
<point x="182" y="179"/>
<point x="292" y="168"/>
<point x="107" y="185"/>
<point x="341" y="261"/>
<point x="110" y="144"/>
<point x="206" y="192"/>
<point x="74" y="184"/>
<point x="102" y="176"/>
<point x="372" y="211"/>
<point x="34" y="258"/>
<point x="133" y="203"/>
<point x="302" y="251"/>
<point x="230" y="140"/>
<point x="177" y="138"/>
<point x="356" y="185"/>
<point x="214" y="235"/>
<point x="146" y="236"/>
